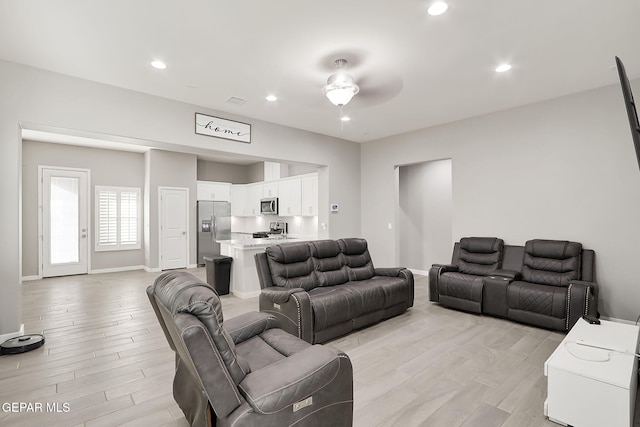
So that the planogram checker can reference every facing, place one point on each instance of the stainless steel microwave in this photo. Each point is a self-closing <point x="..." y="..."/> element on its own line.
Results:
<point x="269" y="206"/>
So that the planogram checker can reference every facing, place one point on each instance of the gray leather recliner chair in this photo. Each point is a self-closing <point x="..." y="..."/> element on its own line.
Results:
<point x="460" y="284"/>
<point x="247" y="372"/>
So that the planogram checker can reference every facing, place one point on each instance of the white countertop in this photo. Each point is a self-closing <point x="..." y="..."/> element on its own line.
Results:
<point x="258" y="243"/>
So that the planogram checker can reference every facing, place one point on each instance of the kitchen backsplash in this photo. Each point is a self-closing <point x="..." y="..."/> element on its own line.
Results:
<point x="304" y="227"/>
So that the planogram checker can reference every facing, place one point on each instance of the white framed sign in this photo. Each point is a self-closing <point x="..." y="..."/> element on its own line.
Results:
<point x="222" y="128"/>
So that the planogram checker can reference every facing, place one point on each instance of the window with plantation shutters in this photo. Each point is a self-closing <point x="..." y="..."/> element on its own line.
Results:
<point x="118" y="220"/>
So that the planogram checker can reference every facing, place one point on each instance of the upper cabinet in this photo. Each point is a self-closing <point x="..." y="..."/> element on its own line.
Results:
<point x="290" y="197"/>
<point x="219" y="191"/>
<point x="297" y="196"/>
<point x="238" y="199"/>
<point x="254" y="194"/>
<point x="245" y="199"/>
<point x="309" y="186"/>
<point x="271" y="171"/>
<point x="270" y="189"/>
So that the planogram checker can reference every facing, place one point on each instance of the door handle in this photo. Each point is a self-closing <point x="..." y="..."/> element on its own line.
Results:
<point x="184" y="232"/>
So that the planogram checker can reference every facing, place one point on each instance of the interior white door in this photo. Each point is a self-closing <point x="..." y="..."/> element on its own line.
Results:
<point x="64" y="222"/>
<point x="173" y="228"/>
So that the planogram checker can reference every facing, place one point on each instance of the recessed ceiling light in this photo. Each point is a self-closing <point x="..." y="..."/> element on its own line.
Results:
<point x="345" y="118"/>
<point x="502" y="68"/>
<point x="159" y="65"/>
<point x="271" y="98"/>
<point x="437" y="8"/>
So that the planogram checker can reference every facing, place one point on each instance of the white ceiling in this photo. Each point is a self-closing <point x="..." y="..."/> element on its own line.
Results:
<point x="414" y="70"/>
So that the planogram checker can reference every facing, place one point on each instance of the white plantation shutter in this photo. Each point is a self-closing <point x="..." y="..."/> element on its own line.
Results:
<point x="128" y="217"/>
<point x="117" y="218"/>
<point x="107" y="218"/>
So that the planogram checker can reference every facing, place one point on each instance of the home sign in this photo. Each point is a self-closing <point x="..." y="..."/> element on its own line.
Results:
<point x="222" y="128"/>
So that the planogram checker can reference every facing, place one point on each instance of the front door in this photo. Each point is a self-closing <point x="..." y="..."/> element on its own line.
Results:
<point x="173" y="228"/>
<point x="64" y="221"/>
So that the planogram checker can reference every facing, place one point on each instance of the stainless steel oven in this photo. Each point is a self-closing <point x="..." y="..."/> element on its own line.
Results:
<point x="269" y="206"/>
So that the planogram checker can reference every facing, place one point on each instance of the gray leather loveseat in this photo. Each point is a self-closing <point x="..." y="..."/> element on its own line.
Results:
<point x="323" y="289"/>
<point x="545" y="283"/>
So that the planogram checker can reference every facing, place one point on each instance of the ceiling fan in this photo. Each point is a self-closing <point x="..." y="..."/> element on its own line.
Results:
<point x="340" y="87"/>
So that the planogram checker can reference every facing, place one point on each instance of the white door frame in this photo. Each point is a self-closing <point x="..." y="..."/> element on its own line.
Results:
<point x="188" y="229"/>
<point x="41" y="169"/>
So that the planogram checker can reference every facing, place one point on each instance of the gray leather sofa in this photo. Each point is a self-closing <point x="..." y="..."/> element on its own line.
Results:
<point x="322" y="289"/>
<point x="545" y="283"/>
<point x="246" y="371"/>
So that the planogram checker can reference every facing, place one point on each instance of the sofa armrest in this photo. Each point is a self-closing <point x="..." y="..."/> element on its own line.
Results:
<point x="445" y="268"/>
<point x="292" y="308"/>
<point x="507" y="274"/>
<point x="403" y="273"/>
<point x="434" y="276"/>
<point x="582" y="298"/>
<point x="388" y="271"/>
<point x="592" y="285"/>
<point x="279" y="294"/>
<point x="248" y="325"/>
<point x="292" y="379"/>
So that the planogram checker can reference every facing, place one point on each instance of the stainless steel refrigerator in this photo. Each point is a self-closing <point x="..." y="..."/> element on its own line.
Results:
<point x="214" y="223"/>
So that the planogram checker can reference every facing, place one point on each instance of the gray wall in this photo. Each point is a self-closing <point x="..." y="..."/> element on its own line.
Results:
<point x="41" y="100"/>
<point x="222" y="172"/>
<point x="424" y="214"/>
<point x="108" y="167"/>
<point x="245" y="174"/>
<point x="562" y="169"/>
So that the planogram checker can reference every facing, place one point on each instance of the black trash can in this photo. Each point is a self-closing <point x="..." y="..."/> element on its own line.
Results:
<point x="219" y="272"/>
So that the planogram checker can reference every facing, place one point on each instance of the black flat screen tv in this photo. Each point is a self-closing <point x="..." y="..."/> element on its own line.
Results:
<point x="631" y="107"/>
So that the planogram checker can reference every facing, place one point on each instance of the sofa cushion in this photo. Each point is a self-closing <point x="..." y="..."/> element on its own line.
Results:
<point x="369" y="296"/>
<point x="291" y="266"/>
<point x="536" y="298"/>
<point x="551" y="262"/>
<point x="480" y="256"/>
<point x="462" y="286"/>
<point x="395" y="289"/>
<point x="333" y="305"/>
<point x="329" y="263"/>
<point x="357" y="258"/>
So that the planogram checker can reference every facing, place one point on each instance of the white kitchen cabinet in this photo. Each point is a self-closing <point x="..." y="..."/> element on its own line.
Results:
<point x="238" y="200"/>
<point x="271" y="171"/>
<point x="245" y="199"/>
<point x="208" y="190"/>
<point x="254" y="194"/>
<point x="270" y="189"/>
<point x="290" y="197"/>
<point x="309" y="195"/>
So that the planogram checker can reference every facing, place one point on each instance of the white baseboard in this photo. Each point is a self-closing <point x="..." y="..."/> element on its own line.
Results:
<point x="151" y="269"/>
<point x="29" y="278"/>
<point x="246" y="295"/>
<point x="420" y="272"/>
<point x="192" y="266"/>
<point x="8" y="336"/>
<point x="117" y="269"/>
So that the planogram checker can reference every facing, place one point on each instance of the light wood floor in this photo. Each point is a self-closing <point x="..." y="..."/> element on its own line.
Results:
<point x="107" y="359"/>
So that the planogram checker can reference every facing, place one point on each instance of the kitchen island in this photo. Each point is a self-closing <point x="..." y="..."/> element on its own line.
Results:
<point x="244" y="276"/>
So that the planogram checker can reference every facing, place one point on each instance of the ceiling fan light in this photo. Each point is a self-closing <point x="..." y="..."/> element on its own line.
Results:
<point x="340" y="87"/>
<point x="341" y="96"/>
